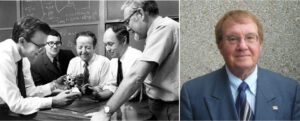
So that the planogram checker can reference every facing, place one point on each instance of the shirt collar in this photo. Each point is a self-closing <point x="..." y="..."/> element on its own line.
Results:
<point x="125" y="54"/>
<point x="91" y="60"/>
<point x="251" y="80"/>
<point x="154" y="24"/>
<point x="15" y="51"/>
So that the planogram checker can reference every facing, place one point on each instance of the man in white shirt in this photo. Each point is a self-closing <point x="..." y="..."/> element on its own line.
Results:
<point x="18" y="93"/>
<point x="116" y="40"/>
<point x="94" y="68"/>
<point x="160" y="59"/>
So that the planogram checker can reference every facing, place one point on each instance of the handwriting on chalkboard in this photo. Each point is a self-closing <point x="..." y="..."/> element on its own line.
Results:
<point x="62" y="12"/>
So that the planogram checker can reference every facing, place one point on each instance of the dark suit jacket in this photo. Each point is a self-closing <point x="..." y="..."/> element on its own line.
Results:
<point x="43" y="71"/>
<point x="209" y="97"/>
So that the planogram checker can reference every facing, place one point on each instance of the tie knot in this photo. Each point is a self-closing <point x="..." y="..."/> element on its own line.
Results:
<point x="85" y="64"/>
<point x="243" y="86"/>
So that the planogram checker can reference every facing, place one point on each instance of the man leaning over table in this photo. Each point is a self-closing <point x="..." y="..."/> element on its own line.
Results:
<point x="18" y="94"/>
<point x="159" y="59"/>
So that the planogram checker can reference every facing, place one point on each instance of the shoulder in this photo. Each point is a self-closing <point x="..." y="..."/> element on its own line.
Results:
<point x="168" y="22"/>
<point x="75" y="60"/>
<point x="102" y="59"/>
<point x="206" y="81"/>
<point x="276" y="78"/>
<point x="134" y="52"/>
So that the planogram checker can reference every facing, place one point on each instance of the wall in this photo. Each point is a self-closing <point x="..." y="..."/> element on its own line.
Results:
<point x="199" y="53"/>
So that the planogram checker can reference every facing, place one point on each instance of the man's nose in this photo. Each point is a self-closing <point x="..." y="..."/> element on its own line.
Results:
<point x="242" y="45"/>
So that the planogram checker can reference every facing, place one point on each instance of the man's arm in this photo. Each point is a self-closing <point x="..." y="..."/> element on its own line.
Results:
<point x="130" y="84"/>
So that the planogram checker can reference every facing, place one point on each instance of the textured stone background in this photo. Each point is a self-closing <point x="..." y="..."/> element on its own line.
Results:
<point x="199" y="54"/>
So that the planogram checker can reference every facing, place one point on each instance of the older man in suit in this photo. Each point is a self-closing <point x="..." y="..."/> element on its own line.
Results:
<point x="240" y="90"/>
<point x="51" y="63"/>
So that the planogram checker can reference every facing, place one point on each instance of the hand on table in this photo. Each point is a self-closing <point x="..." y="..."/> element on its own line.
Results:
<point x="64" y="98"/>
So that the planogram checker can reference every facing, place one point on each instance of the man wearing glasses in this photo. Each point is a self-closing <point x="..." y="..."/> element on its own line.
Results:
<point x="240" y="90"/>
<point x="52" y="62"/>
<point x="19" y="97"/>
<point x="159" y="60"/>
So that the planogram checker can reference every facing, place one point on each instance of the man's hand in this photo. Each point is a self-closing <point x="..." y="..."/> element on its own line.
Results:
<point x="60" y="80"/>
<point x="95" y="90"/>
<point x="64" y="98"/>
<point x="59" y="83"/>
<point x="100" y="116"/>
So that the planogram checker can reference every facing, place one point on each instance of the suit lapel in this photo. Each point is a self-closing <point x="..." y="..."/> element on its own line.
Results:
<point x="49" y="64"/>
<point x="220" y="104"/>
<point x="266" y="100"/>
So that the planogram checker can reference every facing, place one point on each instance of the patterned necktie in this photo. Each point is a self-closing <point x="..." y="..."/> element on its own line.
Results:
<point x="86" y="73"/>
<point x="120" y="73"/>
<point x="242" y="106"/>
<point x="20" y="77"/>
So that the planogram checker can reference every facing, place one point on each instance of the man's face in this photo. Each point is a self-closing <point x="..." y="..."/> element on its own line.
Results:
<point x="53" y="46"/>
<point x="31" y="49"/>
<point x="85" y="48"/>
<point x="136" y="24"/>
<point x="240" y="46"/>
<point x="112" y="45"/>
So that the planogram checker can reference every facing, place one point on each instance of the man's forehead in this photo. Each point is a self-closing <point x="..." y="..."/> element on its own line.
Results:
<point x="229" y="23"/>
<point x="127" y="11"/>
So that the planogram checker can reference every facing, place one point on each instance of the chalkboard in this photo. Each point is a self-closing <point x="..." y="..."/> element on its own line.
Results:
<point x="166" y="8"/>
<point x="68" y="34"/>
<point x="62" y="12"/>
<point x="5" y="34"/>
<point x="8" y="13"/>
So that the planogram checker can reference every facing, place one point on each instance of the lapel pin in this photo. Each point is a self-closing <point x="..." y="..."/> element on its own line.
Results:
<point x="275" y="107"/>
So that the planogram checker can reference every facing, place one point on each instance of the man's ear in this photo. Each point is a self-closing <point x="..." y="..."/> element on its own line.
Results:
<point x="141" y="12"/>
<point x="22" y="40"/>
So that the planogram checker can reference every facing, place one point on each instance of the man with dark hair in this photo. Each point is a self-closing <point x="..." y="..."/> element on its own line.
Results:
<point x="93" y="67"/>
<point x="116" y="40"/>
<point x="18" y="93"/>
<point x="51" y="63"/>
<point x="159" y="60"/>
<point x="240" y="90"/>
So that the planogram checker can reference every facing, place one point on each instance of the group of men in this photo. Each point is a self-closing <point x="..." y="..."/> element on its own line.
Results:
<point x="140" y="85"/>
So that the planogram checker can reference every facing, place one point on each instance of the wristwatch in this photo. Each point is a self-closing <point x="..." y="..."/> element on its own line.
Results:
<point x="107" y="109"/>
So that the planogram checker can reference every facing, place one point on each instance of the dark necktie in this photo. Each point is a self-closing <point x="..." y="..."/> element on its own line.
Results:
<point x="20" y="77"/>
<point x="56" y="63"/>
<point x="120" y="73"/>
<point x="242" y="106"/>
<point x="86" y="73"/>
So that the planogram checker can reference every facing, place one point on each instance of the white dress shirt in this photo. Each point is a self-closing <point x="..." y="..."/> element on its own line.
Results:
<point x="128" y="59"/>
<point x="9" y="91"/>
<point x="251" y="80"/>
<point x="98" y="68"/>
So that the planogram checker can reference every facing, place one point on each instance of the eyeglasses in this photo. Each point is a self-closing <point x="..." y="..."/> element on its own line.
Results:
<point x="235" y="39"/>
<point x="127" y="20"/>
<point x="40" y="46"/>
<point x="51" y="44"/>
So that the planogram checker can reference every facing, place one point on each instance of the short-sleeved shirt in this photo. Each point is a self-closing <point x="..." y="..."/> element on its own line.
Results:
<point x="162" y="47"/>
<point x="99" y="70"/>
